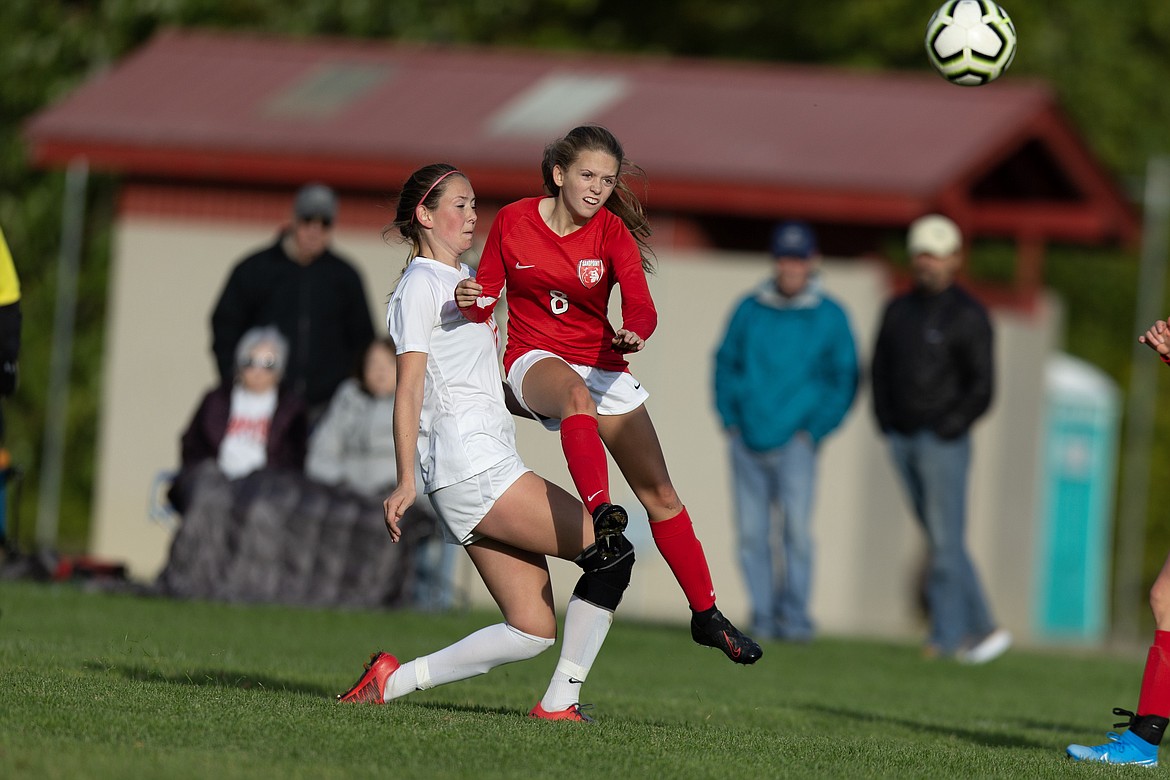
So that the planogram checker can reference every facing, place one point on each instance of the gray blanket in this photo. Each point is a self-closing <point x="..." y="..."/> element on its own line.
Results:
<point x="280" y="537"/>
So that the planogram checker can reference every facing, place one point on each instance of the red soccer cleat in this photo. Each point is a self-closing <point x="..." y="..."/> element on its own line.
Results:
<point x="371" y="687"/>
<point x="572" y="712"/>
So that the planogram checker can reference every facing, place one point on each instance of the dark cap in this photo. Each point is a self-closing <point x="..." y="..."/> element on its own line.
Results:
<point x="794" y="239"/>
<point x="315" y="201"/>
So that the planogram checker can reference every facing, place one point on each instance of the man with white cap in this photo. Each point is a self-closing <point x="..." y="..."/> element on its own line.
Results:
<point x="313" y="296"/>
<point x="932" y="377"/>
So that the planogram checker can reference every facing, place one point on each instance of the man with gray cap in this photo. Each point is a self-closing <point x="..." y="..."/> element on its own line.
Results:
<point x="315" y="297"/>
<point x="785" y="375"/>
<point x="932" y="378"/>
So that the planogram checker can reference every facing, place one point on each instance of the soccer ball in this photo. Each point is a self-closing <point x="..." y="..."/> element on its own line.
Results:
<point x="970" y="42"/>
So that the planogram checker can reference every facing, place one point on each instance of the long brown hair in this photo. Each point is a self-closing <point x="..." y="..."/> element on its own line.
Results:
<point x="624" y="202"/>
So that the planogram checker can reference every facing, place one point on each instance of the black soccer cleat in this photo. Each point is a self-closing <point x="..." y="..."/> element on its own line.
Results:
<point x="711" y="629"/>
<point x="609" y="521"/>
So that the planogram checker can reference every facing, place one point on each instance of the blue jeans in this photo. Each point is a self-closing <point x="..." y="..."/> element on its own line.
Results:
<point x="773" y="497"/>
<point x="434" y="583"/>
<point x="934" y="473"/>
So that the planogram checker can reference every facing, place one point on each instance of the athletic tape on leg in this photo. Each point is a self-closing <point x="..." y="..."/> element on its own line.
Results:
<point x="572" y="670"/>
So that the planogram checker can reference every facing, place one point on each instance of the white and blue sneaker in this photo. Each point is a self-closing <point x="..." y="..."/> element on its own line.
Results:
<point x="1124" y="748"/>
<point x="987" y="649"/>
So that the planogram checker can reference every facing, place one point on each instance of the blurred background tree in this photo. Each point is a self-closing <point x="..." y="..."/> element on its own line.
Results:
<point x="1107" y="63"/>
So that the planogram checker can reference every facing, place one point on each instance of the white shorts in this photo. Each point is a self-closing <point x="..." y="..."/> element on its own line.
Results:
<point x="461" y="506"/>
<point x="614" y="392"/>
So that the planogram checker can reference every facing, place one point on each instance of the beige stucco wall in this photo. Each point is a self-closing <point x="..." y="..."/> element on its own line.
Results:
<point x="167" y="274"/>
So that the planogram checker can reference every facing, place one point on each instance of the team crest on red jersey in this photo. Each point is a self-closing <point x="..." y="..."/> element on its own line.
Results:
<point x="590" y="272"/>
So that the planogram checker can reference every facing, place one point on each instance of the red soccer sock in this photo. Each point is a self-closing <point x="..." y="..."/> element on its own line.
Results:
<point x="1155" y="697"/>
<point x="585" y="455"/>
<point x="684" y="555"/>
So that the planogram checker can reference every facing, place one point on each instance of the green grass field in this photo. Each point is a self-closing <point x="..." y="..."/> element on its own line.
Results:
<point x="114" y="686"/>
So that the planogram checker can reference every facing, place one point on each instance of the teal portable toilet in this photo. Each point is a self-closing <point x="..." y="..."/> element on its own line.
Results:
<point x="1072" y="543"/>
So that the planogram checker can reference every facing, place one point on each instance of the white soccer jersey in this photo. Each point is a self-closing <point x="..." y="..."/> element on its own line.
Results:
<point x="464" y="427"/>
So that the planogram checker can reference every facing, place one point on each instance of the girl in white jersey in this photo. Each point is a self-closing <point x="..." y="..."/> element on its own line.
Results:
<point x="450" y="413"/>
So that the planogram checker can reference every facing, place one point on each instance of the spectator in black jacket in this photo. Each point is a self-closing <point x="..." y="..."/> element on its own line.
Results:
<point x="932" y="378"/>
<point x="315" y="297"/>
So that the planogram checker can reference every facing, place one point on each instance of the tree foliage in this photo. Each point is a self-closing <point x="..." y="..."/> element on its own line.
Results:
<point x="1108" y="64"/>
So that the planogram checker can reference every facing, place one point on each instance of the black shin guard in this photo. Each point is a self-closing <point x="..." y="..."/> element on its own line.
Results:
<point x="1150" y="728"/>
<point x="604" y="581"/>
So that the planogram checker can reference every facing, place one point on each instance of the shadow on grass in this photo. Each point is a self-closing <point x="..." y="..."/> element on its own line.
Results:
<point x="224" y="678"/>
<point x="213" y="678"/>
<point x="470" y="709"/>
<point x="988" y="738"/>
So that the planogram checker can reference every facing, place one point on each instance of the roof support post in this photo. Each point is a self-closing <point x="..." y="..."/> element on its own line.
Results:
<point x="57" y="394"/>
<point x="1031" y="250"/>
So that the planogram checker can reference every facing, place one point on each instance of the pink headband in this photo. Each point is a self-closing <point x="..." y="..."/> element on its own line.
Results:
<point x="426" y="194"/>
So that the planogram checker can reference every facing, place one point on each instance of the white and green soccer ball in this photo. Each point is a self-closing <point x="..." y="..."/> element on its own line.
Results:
<point x="970" y="42"/>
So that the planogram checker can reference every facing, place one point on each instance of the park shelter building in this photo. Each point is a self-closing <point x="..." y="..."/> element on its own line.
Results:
<point x="210" y="133"/>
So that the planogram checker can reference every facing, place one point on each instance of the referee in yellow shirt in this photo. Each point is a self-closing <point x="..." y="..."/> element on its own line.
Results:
<point x="9" y="352"/>
<point x="9" y="324"/>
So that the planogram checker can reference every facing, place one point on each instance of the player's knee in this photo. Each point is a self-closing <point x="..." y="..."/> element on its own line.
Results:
<point x="579" y="401"/>
<point x="663" y="498"/>
<point x="525" y="645"/>
<point x="604" y="581"/>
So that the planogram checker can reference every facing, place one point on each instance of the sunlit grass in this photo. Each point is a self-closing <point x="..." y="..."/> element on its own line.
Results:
<point x="112" y="686"/>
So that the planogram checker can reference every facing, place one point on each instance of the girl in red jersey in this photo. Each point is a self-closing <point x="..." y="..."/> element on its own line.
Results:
<point x="560" y="258"/>
<point x="1138" y="744"/>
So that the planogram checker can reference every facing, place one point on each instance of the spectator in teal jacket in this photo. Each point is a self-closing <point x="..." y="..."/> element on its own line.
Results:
<point x="785" y="376"/>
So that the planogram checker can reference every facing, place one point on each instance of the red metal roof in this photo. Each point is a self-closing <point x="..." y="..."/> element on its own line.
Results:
<point x="715" y="137"/>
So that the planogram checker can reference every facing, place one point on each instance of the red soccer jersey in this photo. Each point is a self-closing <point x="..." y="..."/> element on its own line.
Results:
<point x="559" y="286"/>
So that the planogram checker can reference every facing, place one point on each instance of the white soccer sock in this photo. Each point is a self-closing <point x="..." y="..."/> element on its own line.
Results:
<point x="586" y="626"/>
<point x="473" y="655"/>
